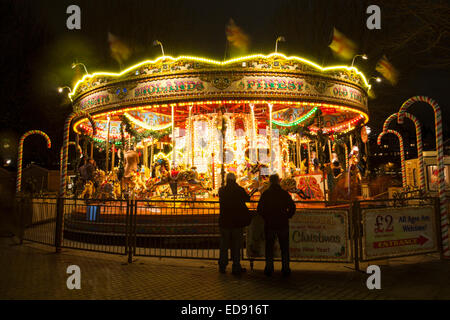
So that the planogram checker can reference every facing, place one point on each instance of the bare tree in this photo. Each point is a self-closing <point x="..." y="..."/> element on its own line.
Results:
<point x="417" y="29"/>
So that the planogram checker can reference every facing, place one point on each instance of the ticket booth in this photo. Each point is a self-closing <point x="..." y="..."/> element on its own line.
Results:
<point x="430" y="169"/>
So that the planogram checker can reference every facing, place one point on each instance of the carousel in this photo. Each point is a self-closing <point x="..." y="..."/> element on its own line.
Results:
<point x="173" y="127"/>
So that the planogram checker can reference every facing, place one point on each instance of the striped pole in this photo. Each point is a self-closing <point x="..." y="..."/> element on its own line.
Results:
<point x="346" y="156"/>
<point x="440" y="162"/>
<point x="270" y="138"/>
<point x="418" y="139"/>
<point x="20" y="157"/>
<point x="108" y="124"/>
<point x="329" y="149"/>
<point x="63" y="178"/>
<point x="402" y="151"/>
<point x="71" y="143"/>
<point x="174" y="153"/>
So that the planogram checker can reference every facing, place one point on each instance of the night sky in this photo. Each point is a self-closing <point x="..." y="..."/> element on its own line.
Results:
<point x="38" y="50"/>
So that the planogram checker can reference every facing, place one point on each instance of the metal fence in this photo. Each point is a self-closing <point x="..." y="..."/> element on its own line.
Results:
<point x="189" y="229"/>
<point x="182" y="229"/>
<point x="96" y="225"/>
<point x="36" y="219"/>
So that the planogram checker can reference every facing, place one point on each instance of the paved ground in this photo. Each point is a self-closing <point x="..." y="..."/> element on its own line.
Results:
<point x="32" y="271"/>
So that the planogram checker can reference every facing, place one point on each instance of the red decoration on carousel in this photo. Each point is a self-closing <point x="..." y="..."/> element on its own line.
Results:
<point x="174" y="173"/>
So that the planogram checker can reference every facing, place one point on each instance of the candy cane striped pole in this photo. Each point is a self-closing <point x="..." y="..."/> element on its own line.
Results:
<point x="402" y="151"/>
<point x="20" y="157"/>
<point x="71" y="143"/>
<point x="418" y="139"/>
<point x="346" y="156"/>
<point x="65" y="147"/>
<point x="440" y="162"/>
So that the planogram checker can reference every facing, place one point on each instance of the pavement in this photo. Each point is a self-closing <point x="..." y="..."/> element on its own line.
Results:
<point x="32" y="271"/>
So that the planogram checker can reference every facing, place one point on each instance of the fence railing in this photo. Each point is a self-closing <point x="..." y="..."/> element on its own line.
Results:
<point x="36" y="219"/>
<point x="343" y="232"/>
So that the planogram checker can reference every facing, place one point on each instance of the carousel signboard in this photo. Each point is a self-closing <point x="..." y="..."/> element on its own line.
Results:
<point x="94" y="100"/>
<point x="212" y="86"/>
<point x="391" y="232"/>
<point x="314" y="235"/>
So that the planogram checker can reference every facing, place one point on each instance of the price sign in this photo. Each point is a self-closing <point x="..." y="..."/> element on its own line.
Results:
<point x="393" y="232"/>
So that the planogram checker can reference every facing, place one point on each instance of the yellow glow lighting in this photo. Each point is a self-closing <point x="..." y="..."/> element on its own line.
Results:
<point x="219" y="63"/>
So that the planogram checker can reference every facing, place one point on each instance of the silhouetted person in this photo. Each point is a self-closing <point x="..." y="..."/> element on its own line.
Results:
<point x="233" y="217"/>
<point x="87" y="171"/>
<point x="276" y="207"/>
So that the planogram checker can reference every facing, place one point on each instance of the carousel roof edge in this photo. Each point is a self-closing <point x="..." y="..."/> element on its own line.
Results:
<point x="217" y="63"/>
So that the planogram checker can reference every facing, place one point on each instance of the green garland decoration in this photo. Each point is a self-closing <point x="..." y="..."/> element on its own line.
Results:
<point x="139" y="136"/>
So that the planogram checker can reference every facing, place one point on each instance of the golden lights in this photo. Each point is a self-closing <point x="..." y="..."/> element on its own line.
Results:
<point x="219" y="63"/>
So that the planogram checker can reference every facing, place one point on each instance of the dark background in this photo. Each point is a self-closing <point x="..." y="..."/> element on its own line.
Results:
<point x="38" y="50"/>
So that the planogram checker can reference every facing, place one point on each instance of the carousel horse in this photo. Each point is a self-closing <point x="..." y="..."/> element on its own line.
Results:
<point x="106" y="190"/>
<point x="99" y="177"/>
<point x="105" y="184"/>
<point x="252" y="176"/>
<point x="139" y="185"/>
<point x="160" y="168"/>
<point x="88" y="190"/>
<point x="186" y="179"/>
<point x="117" y="192"/>
<point x="290" y="185"/>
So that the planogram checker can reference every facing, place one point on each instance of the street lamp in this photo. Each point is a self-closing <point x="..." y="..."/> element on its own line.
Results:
<point x="364" y="56"/>
<point x="61" y="89"/>
<point x="80" y="64"/>
<point x="158" y="43"/>
<point x="377" y="79"/>
<point x="282" y="39"/>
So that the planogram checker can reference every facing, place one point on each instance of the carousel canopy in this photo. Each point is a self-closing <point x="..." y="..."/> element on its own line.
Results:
<point x="149" y="93"/>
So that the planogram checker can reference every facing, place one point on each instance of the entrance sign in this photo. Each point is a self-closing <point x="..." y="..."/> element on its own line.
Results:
<point x="391" y="232"/>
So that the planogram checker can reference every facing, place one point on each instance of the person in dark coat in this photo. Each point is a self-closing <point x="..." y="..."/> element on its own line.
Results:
<point x="276" y="207"/>
<point x="233" y="217"/>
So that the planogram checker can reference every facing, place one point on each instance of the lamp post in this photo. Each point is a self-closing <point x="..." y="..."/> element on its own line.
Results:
<point x="158" y="43"/>
<point x="364" y="56"/>
<point x="377" y="79"/>
<point x="61" y="89"/>
<point x="282" y="39"/>
<point x="75" y="64"/>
